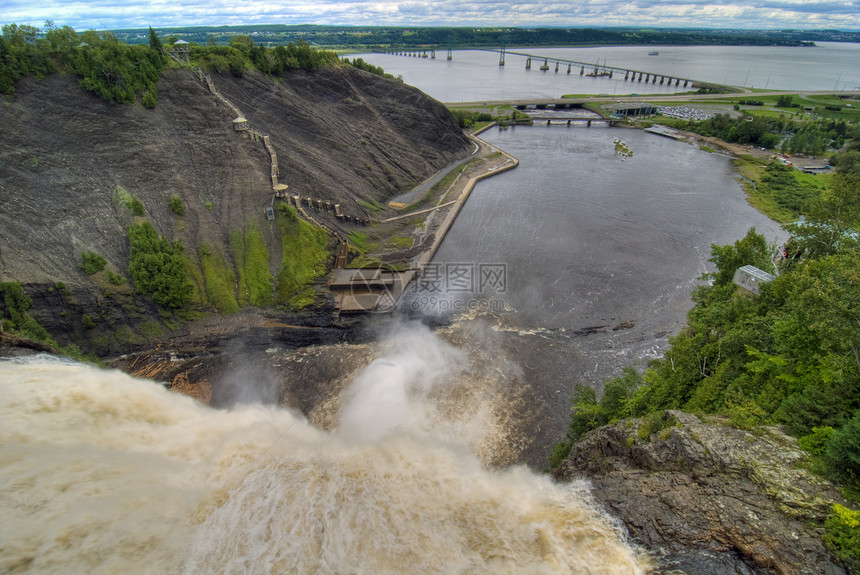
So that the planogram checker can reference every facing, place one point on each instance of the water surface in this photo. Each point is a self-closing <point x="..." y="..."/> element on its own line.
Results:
<point x="474" y="75"/>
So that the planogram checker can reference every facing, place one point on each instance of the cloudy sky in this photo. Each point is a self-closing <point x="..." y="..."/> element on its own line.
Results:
<point x="750" y="14"/>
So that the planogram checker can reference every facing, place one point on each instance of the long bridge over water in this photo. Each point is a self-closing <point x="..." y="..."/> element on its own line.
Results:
<point x="591" y="69"/>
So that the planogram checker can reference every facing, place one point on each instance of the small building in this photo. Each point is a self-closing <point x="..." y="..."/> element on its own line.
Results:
<point x="750" y="277"/>
<point x="240" y="124"/>
<point x="181" y="50"/>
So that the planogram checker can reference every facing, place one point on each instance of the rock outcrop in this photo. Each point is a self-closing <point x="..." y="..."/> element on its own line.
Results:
<point x="705" y="498"/>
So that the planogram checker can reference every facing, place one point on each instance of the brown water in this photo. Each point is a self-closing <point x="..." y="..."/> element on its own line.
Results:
<point x="102" y="473"/>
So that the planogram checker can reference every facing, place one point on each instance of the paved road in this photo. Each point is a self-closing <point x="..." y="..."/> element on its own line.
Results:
<point x="422" y="188"/>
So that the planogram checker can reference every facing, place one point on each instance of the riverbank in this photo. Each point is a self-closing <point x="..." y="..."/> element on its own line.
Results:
<point x="370" y="290"/>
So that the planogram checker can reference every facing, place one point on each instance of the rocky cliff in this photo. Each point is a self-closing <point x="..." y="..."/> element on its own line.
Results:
<point x="71" y="162"/>
<point x="705" y="498"/>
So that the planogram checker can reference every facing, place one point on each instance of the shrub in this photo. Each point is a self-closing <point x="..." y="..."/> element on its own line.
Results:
<point x="842" y="454"/>
<point x="156" y="267"/>
<point x="150" y="98"/>
<point x="16" y="304"/>
<point x="92" y="263"/>
<point x="816" y="442"/>
<point x="115" y="279"/>
<point x="843" y="534"/>
<point x="88" y="321"/>
<point x="559" y="453"/>
<point x="747" y="415"/>
<point x="136" y="207"/>
<point x="653" y="423"/>
<point x="177" y="206"/>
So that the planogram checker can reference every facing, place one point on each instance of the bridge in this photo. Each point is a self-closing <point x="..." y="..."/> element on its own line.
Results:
<point x="595" y="70"/>
<point x="549" y="120"/>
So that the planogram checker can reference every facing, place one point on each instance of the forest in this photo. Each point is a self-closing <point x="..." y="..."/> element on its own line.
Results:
<point x="122" y="72"/>
<point x="372" y="38"/>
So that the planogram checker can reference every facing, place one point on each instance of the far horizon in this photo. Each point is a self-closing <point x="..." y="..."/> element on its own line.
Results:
<point x="734" y="15"/>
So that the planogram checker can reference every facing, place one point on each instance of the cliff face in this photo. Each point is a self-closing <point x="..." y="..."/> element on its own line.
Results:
<point x="705" y="498"/>
<point x="69" y="159"/>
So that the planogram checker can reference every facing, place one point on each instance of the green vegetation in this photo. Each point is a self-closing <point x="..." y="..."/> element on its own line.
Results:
<point x="786" y="101"/>
<point x="778" y="190"/>
<point x="251" y="258"/>
<point x="123" y="198"/>
<point x="115" y="278"/>
<point x="92" y="263"/>
<point x="219" y="280"/>
<point x="243" y="53"/>
<point x="17" y="319"/>
<point x="376" y="37"/>
<point x="112" y="69"/>
<point x="121" y="72"/>
<point x="398" y="243"/>
<point x="370" y="205"/>
<point x="156" y="266"/>
<point x="22" y="55"/>
<point x="843" y="534"/>
<point x="177" y="206"/>
<point x="622" y="149"/>
<point x="367" y="67"/>
<point x="304" y="258"/>
<point x="467" y="118"/>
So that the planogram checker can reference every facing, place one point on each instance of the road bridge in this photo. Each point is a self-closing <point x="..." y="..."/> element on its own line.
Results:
<point x="549" y="120"/>
<point x="589" y="69"/>
<point x="595" y="70"/>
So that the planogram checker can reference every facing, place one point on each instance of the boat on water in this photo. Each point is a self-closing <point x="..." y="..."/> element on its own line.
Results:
<point x="655" y="53"/>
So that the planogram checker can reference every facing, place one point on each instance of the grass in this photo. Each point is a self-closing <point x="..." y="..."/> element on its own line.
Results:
<point x="252" y="261"/>
<point x="753" y="171"/>
<point x="398" y="243"/>
<point x="773" y="200"/>
<point x="371" y="205"/>
<point x="219" y="280"/>
<point x="192" y="272"/>
<point x="305" y="256"/>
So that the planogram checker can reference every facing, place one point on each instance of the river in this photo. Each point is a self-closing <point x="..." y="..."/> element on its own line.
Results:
<point x="474" y="75"/>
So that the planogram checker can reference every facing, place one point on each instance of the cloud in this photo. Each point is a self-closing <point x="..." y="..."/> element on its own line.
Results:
<point x="761" y="14"/>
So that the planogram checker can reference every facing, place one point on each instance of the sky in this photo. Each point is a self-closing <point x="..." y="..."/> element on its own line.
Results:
<point x="745" y="14"/>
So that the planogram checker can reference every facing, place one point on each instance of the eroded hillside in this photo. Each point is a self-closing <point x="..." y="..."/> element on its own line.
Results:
<point x="73" y="166"/>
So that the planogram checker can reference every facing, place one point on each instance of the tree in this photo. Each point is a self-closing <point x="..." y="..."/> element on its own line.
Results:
<point x="243" y="43"/>
<point x="156" y="266"/>
<point x="843" y="452"/>
<point x="752" y="249"/>
<point x="62" y="39"/>
<point x="154" y="41"/>
<point x="784" y="101"/>
<point x="831" y="221"/>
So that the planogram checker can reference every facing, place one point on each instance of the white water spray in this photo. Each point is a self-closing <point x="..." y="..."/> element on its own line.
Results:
<point x="102" y="473"/>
